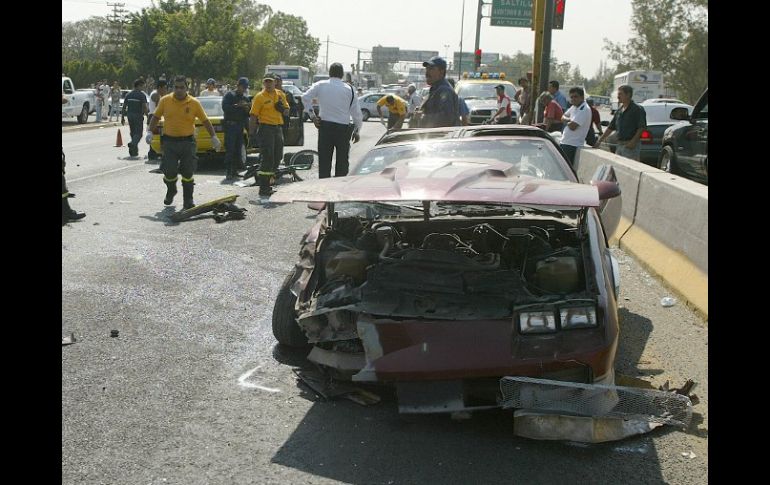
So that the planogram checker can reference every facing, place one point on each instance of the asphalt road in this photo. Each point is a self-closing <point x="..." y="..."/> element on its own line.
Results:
<point x="195" y="391"/>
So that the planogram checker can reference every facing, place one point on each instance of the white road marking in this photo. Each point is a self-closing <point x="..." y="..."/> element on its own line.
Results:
<point x="105" y="173"/>
<point x="242" y="381"/>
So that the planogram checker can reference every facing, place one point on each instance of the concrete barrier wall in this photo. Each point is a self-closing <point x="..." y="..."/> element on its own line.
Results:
<point x="663" y="223"/>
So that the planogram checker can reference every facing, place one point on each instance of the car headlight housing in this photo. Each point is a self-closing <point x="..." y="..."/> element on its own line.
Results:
<point x="541" y="321"/>
<point x="578" y="317"/>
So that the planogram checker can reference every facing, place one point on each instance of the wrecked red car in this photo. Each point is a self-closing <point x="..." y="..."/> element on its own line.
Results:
<point x="455" y="259"/>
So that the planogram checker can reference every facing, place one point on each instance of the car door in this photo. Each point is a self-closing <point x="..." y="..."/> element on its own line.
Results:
<point x="69" y="92"/>
<point x="609" y="209"/>
<point x="701" y="142"/>
<point x="692" y="147"/>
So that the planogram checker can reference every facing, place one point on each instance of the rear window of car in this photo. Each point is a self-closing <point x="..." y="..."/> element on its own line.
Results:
<point x="529" y="156"/>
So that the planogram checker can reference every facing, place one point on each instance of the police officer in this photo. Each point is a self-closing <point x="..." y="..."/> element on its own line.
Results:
<point x="135" y="106"/>
<point x="236" y="108"/>
<point x="442" y="107"/>
<point x="268" y="108"/>
<point x="179" y="111"/>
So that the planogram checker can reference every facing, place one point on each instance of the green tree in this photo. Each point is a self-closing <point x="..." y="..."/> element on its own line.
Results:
<point x="255" y="53"/>
<point x="143" y="44"/>
<point x="84" y="39"/>
<point x="252" y="14"/>
<point x="293" y="44"/>
<point x="670" y="36"/>
<point x="217" y="31"/>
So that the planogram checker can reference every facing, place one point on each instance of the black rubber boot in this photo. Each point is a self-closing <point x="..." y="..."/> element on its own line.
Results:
<point x="187" y="194"/>
<point x="264" y="185"/>
<point x="170" y="192"/>
<point x="69" y="214"/>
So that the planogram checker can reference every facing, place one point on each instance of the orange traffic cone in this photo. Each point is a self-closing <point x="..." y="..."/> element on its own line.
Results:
<point x="119" y="140"/>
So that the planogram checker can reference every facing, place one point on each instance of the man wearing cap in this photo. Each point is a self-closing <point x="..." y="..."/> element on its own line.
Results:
<point x="179" y="111"/>
<point x="268" y="108"/>
<point x="441" y="108"/>
<point x="337" y="104"/>
<point x="211" y="88"/>
<point x="396" y="111"/>
<point x="503" y="115"/>
<point x="236" y="109"/>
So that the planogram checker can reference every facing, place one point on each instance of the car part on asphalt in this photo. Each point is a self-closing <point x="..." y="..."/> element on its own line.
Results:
<point x="202" y="208"/>
<point x="598" y="400"/>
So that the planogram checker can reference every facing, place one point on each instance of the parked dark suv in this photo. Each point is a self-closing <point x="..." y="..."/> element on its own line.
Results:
<point x="686" y="144"/>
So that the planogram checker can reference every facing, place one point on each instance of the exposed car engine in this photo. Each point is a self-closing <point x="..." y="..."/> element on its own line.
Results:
<point x="447" y="269"/>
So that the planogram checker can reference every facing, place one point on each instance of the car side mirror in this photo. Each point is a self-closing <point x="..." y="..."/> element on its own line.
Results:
<point x="607" y="189"/>
<point x="679" y="114"/>
<point x="605" y="123"/>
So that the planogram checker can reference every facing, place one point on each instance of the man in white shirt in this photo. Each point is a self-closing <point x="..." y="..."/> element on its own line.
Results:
<point x="415" y="100"/>
<point x="211" y="88"/>
<point x="337" y="103"/>
<point x="577" y="121"/>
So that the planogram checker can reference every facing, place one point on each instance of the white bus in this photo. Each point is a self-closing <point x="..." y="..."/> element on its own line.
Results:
<point x="646" y="84"/>
<point x="299" y="75"/>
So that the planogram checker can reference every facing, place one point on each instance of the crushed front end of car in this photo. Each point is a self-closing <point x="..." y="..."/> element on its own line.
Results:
<point x="443" y="298"/>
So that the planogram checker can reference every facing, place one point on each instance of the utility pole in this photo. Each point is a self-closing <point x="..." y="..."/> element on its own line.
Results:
<point x="545" y="63"/>
<point x="116" y="36"/>
<point x="538" y="14"/>
<point x="327" y="53"/>
<point x="462" y="23"/>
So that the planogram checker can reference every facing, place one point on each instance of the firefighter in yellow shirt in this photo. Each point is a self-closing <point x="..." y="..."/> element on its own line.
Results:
<point x="179" y="111"/>
<point x="396" y="111"/>
<point x="268" y="108"/>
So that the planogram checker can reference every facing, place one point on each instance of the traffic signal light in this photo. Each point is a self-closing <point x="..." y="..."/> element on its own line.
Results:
<point x="558" y="14"/>
<point x="477" y="59"/>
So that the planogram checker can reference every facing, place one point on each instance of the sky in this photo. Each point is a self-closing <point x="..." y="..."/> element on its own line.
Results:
<point x="430" y="25"/>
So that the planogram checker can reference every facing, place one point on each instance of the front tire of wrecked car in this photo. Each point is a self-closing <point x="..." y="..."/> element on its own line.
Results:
<point x="285" y="327"/>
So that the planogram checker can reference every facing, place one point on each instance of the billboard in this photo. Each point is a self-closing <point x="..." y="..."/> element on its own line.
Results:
<point x="415" y="56"/>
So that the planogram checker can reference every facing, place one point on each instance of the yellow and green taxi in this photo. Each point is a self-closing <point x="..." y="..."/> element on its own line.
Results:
<point x="478" y="91"/>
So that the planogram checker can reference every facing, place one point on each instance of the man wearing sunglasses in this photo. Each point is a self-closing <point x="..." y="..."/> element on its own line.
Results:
<point x="179" y="111"/>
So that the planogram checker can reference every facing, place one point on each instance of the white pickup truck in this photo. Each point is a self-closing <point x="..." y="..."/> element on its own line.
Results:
<point x="79" y="102"/>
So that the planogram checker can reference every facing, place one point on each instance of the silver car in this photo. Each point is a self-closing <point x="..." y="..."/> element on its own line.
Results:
<point x="368" y="104"/>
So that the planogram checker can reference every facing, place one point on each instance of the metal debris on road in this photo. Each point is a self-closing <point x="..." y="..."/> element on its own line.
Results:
<point x="69" y="340"/>
<point x="114" y="333"/>
<point x="689" y="454"/>
<point x="326" y="388"/>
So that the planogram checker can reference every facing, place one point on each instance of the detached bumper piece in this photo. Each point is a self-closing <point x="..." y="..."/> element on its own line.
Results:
<point x="591" y="413"/>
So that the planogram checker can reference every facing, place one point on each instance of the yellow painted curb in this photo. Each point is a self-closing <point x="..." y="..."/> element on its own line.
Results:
<point x="623" y="225"/>
<point x="672" y="266"/>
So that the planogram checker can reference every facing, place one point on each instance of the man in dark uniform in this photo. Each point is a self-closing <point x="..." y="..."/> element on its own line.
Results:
<point x="442" y="106"/>
<point x="236" y="107"/>
<point x="67" y="213"/>
<point x="135" y="105"/>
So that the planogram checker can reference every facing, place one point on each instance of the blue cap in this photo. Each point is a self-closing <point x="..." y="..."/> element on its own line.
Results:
<point x="435" y="61"/>
<point x="243" y="81"/>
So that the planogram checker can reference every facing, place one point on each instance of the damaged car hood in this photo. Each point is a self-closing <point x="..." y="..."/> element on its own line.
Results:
<point x="427" y="179"/>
